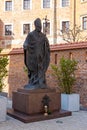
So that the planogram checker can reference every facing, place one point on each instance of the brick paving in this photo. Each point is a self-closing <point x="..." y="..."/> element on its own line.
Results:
<point x="78" y="121"/>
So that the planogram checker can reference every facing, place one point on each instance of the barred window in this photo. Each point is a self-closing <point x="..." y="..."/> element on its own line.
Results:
<point x="46" y="3"/>
<point x="26" y="28"/>
<point x="8" y="5"/>
<point x="65" y="26"/>
<point x="65" y="3"/>
<point x="46" y="28"/>
<point x="8" y="29"/>
<point x="84" y="23"/>
<point x="26" y="4"/>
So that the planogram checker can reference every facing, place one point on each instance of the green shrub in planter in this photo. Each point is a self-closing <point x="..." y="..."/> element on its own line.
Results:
<point x="3" y="70"/>
<point x="65" y="74"/>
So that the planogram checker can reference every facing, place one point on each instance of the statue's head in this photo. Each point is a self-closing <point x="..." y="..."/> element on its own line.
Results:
<point x="38" y="25"/>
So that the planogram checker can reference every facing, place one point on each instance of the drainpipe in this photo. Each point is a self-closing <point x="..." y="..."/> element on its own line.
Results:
<point x="74" y="20"/>
<point x="55" y="22"/>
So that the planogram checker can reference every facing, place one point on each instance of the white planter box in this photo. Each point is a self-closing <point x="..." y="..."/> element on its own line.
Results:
<point x="3" y="108"/>
<point x="70" y="102"/>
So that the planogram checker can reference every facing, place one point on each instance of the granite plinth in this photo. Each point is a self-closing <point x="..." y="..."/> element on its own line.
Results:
<point x="37" y="117"/>
<point x="30" y="101"/>
<point x="27" y="105"/>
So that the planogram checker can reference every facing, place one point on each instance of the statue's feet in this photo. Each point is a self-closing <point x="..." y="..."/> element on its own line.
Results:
<point x="30" y="87"/>
<point x="35" y="86"/>
<point x="43" y="86"/>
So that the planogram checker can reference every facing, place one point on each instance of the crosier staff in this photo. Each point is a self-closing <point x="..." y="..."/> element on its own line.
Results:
<point x="46" y="24"/>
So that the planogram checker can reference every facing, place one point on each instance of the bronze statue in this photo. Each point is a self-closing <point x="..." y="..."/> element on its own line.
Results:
<point x="36" y="57"/>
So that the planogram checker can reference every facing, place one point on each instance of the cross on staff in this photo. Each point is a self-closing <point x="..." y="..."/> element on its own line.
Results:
<point x="45" y="24"/>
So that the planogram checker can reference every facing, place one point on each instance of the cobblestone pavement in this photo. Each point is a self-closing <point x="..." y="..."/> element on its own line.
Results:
<point x="78" y="121"/>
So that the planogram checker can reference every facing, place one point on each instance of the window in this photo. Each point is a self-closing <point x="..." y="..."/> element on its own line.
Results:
<point x="83" y="0"/>
<point x="46" y="28"/>
<point x="65" y="3"/>
<point x="8" y="29"/>
<point x="26" y="4"/>
<point x="65" y="26"/>
<point x="26" y="28"/>
<point x="46" y="3"/>
<point x="8" y="5"/>
<point x="84" y="23"/>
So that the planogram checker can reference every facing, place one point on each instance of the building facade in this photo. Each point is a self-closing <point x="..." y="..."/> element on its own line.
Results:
<point x="17" y="17"/>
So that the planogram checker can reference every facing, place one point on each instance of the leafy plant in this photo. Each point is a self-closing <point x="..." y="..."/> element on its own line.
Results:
<point x="3" y="70"/>
<point x="65" y="74"/>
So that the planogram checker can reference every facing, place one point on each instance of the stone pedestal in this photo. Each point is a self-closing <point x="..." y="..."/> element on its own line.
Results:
<point x="30" y="101"/>
<point x="28" y="106"/>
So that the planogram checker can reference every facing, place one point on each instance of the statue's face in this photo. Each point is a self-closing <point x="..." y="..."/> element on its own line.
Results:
<point x="38" y="28"/>
<point x="38" y="25"/>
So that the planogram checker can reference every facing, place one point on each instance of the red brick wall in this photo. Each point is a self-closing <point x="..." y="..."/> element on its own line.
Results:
<point x="17" y="78"/>
<point x="80" y="55"/>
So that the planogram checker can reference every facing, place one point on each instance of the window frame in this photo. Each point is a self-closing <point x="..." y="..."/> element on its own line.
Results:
<point x="46" y="7"/>
<point x="83" y="1"/>
<point x="23" y="28"/>
<point x="5" y="5"/>
<point x="64" y="6"/>
<point x="29" y="28"/>
<point x="26" y="8"/>
<point x="82" y="23"/>
<point x="62" y="22"/>
<point x="8" y="24"/>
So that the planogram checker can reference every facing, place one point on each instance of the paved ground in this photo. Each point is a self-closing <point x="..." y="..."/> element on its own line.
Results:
<point x="78" y="121"/>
